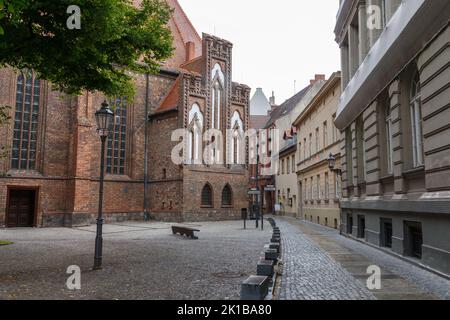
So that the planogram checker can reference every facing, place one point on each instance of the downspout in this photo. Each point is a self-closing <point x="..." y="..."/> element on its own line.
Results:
<point x="146" y="200"/>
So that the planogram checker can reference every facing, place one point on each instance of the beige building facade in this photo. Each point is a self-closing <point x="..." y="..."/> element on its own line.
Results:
<point x="317" y="138"/>
<point x="394" y="114"/>
<point x="287" y="192"/>
<point x="282" y="119"/>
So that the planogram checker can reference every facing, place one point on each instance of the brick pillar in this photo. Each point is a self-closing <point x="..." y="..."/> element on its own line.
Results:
<point x="85" y="149"/>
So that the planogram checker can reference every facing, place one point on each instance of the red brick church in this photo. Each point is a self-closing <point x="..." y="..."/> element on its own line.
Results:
<point x="50" y="176"/>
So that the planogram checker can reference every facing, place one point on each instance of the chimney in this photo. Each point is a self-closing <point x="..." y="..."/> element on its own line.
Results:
<point x="190" y="51"/>
<point x="272" y="99"/>
<point x="317" y="77"/>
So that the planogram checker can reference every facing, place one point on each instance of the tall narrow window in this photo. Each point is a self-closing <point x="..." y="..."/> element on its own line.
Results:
<point x="300" y="151"/>
<point x="195" y="127"/>
<point x="319" y="193"/>
<point x="335" y="130"/>
<point x="325" y="134"/>
<point x="237" y="145"/>
<point x="217" y="104"/>
<point x="227" y="196"/>
<point x="116" y="153"/>
<point x="293" y="163"/>
<point x="317" y="140"/>
<point x="416" y="121"/>
<point x="218" y="85"/>
<point x="207" y="196"/>
<point x="384" y="19"/>
<point x="26" y="122"/>
<point x="305" y="156"/>
<point x="327" y="186"/>
<point x="288" y="170"/>
<point x="388" y="128"/>
<point x="310" y="145"/>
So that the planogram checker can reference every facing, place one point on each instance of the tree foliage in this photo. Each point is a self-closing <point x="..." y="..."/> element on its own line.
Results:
<point x="115" y="40"/>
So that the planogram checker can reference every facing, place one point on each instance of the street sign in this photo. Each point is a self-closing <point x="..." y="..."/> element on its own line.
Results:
<point x="270" y="188"/>
<point x="254" y="192"/>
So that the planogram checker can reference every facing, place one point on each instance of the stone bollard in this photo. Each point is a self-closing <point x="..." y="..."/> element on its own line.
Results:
<point x="255" y="288"/>
<point x="265" y="268"/>
<point x="271" y="254"/>
<point x="274" y="245"/>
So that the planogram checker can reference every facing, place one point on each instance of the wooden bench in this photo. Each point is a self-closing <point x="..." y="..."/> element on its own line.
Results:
<point x="183" y="231"/>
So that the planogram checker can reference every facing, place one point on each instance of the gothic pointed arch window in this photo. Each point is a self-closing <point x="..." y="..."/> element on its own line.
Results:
<point x="237" y="128"/>
<point x="117" y="140"/>
<point x="416" y="120"/>
<point x="26" y="117"/>
<point x="227" y="196"/>
<point x="195" y="127"/>
<point x="207" y="196"/>
<point x="217" y="89"/>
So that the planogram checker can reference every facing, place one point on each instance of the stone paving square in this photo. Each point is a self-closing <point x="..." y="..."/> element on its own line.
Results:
<point x="141" y="261"/>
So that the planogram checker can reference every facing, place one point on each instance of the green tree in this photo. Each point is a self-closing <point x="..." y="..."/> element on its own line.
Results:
<point x="116" y="39"/>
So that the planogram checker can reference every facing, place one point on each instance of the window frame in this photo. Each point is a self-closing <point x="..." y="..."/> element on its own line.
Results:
<point x="211" y="196"/>
<point x="30" y="157"/>
<point x="119" y="104"/>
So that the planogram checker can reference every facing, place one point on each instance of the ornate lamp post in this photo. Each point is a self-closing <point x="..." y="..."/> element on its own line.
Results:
<point x="105" y="119"/>
<point x="331" y="164"/>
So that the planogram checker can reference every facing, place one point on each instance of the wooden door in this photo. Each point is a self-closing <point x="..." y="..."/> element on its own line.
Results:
<point x="21" y="208"/>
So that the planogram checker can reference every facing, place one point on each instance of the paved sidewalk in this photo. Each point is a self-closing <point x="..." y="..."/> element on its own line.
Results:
<point x="321" y="264"/>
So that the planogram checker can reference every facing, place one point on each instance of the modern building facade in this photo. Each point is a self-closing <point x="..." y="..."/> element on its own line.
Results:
<point x="50" y="176"/>
<point x="394" y="115"/>
<point x="317" y="138"/>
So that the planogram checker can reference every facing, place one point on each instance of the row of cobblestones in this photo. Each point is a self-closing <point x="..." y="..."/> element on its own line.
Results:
<point x="309" y="273"/>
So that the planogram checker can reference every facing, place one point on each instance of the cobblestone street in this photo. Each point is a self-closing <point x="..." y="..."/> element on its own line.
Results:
<point x="321" y="264"/>
<point x="141" y="261"/>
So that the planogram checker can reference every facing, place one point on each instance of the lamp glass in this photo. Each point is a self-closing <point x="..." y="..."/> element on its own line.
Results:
<point x="105" y="120"/>
<point x="331" y="162"/>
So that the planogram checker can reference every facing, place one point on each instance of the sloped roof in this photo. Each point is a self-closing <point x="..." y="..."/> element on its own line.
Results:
<point x="183" y="31"/>
<point x="287" y="106"/>
<point x="171" y="100"/>
<point x="258" y="122"/>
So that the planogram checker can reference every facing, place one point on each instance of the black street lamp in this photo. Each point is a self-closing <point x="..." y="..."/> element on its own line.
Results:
<point x="105" y="119"/>
<point x="332" y="163"/>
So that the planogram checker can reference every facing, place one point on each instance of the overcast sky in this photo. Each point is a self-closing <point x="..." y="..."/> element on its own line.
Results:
<point x="275" y="42"/>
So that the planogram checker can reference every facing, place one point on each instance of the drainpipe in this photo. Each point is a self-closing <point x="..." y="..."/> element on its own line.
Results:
<point x="146" y="200"/>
